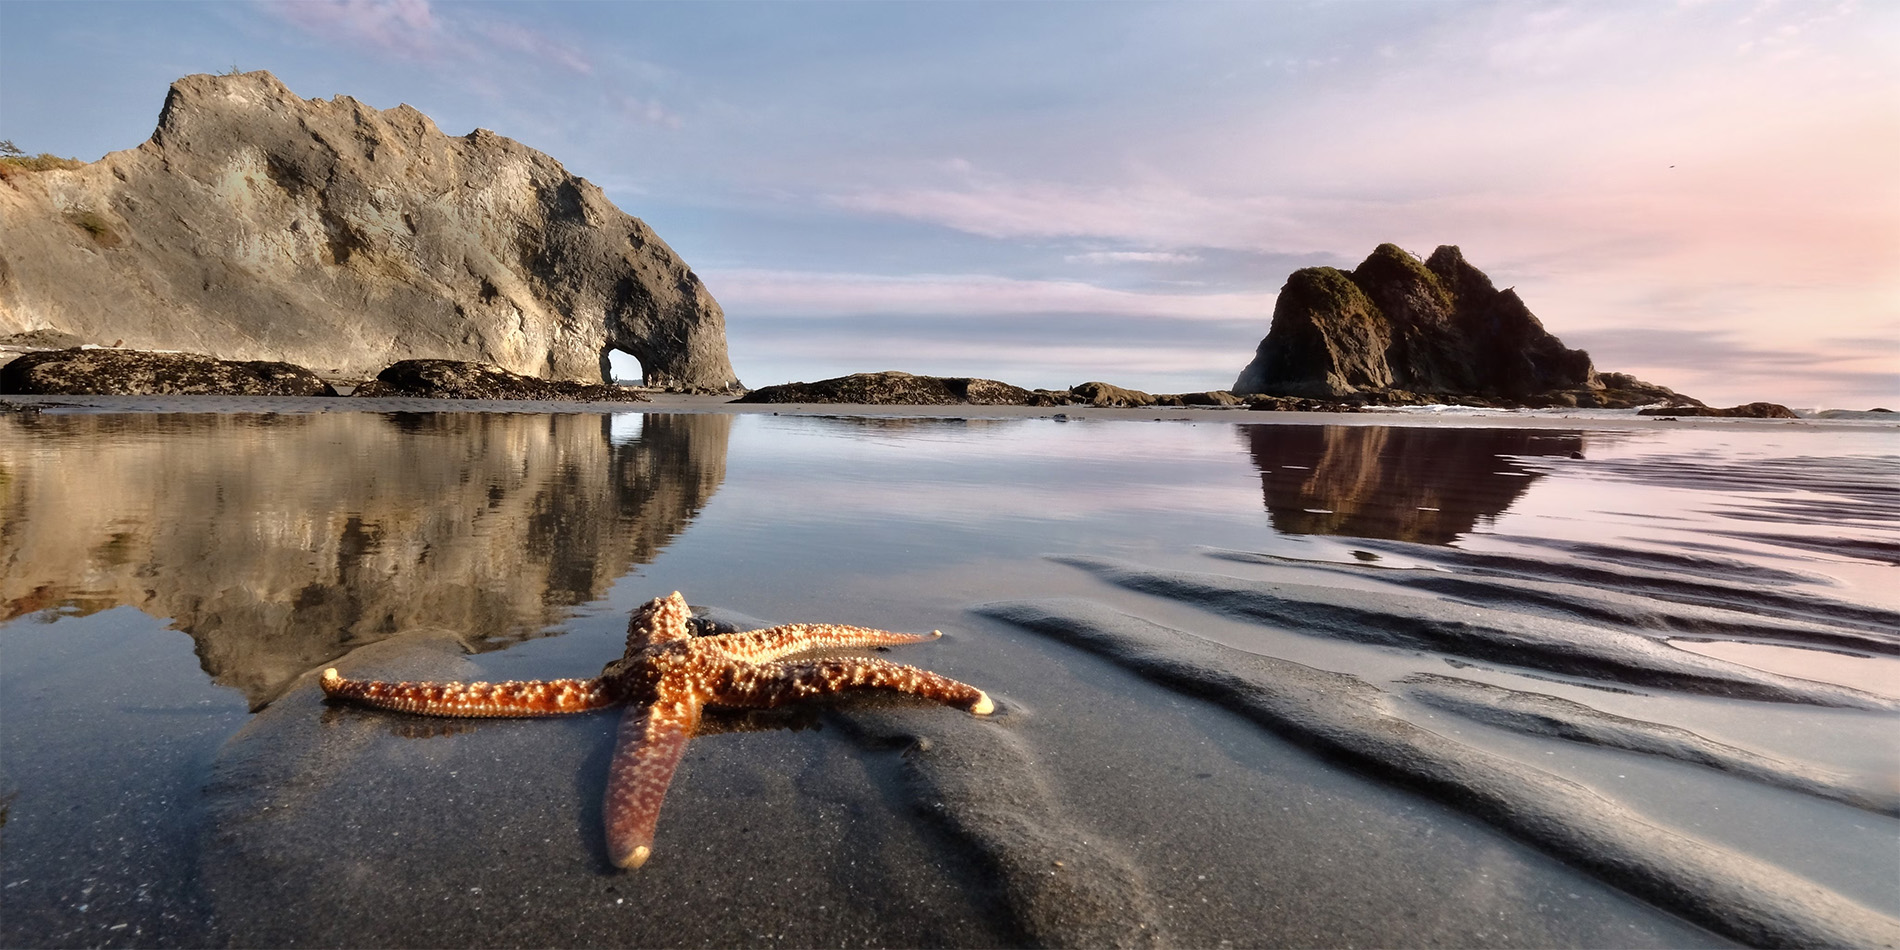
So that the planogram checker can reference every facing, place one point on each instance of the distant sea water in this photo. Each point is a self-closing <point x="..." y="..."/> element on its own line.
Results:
<point x="1563" y="684"/>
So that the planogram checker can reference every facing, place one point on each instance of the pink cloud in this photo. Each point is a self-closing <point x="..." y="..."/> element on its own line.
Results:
<point x="405" y="28"/>
<point x="808" y="293"/>
<point x="414" y="30"/>
<point x="536" y="45"/>
<point x="649" y="111"/>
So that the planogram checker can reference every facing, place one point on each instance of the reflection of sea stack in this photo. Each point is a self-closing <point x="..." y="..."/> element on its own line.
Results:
<point x="259" y="225"/>
<point x="1398" y="329"/>
<point x="489" y="525"/>
<point x="1421" y="484"/>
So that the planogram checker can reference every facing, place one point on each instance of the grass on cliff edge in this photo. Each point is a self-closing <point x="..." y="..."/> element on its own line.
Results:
<point x="13" y="161"/>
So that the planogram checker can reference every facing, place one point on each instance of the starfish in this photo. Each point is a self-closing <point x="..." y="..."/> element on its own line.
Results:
<point x="664" y="679"/>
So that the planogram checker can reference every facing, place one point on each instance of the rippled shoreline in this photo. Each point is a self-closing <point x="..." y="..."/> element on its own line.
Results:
<point x="1570" y="683"/>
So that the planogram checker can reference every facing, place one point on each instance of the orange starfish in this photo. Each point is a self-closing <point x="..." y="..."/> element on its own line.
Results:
<point x="666" y="676"/>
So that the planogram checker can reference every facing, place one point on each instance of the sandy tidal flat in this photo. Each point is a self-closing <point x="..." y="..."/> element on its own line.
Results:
<point x="1556" y="682"/>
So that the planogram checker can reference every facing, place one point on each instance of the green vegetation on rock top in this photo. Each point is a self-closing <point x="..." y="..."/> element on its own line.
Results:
<point x="1390" y="261"/>
<point x="14" y="161"/>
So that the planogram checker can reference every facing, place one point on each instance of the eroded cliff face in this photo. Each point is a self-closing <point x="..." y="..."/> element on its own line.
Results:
<point x="1410" y="330"/>
<point x="489" y="525"/>
<point x="255" y="224"/>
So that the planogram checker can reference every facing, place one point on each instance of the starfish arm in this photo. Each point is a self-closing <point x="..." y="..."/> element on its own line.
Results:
<point x="498" y="700"/>
<point x="775" y="643"/>
<point x="775" y="684"/>
<point x="651" y="741"/>
<point x="660" y="620"/>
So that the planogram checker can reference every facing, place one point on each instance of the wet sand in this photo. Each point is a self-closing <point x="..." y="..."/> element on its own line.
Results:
<point x="1310" y="741"/>
<point x="684" y="403"/>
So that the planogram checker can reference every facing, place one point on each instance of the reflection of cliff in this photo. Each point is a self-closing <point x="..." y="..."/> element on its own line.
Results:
<point x="1404" y="483"/>
<point x="278" y="542"/>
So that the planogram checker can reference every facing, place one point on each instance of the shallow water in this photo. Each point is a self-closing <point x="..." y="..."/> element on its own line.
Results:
<point x="1699" y="629"/>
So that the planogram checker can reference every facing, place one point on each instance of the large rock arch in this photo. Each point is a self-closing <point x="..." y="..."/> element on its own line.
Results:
<point x="255" y="224"/>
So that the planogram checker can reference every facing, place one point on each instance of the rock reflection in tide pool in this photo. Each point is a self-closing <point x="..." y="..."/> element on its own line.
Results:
<point x="278" y="542"/>
<point x="1428" y="485"/>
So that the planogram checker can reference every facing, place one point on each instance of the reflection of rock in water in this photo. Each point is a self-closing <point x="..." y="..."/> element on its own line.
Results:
<point x="1404" y="483"/>
<point x="280" y="542"/>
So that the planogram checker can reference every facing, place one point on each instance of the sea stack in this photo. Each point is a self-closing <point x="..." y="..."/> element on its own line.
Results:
<point x="1397" y="329"/>
<point x="258" y="225"/>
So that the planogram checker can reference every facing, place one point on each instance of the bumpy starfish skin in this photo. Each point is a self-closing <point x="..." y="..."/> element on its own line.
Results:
<point x="534" y="698"/>
<point x="665" y="678"/>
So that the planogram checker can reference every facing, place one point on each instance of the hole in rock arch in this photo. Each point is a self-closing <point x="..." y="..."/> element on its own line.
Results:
<point x="624" y="367"/>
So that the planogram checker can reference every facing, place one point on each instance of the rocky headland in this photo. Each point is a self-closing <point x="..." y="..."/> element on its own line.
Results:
<point x="258" y="225"/>
<point x="1396" y="330"/>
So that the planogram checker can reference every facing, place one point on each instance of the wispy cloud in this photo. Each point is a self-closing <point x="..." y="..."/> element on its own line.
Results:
<point x="506" y="60"/>
<point x="643" y="110"/>
<point x="415" y="30"/>
<point x="1132" y="257"/>
<point x="764" y="356"/>
<point x="401" y="28"/>
<point x="533" y="43"/>
<point x="769" y="293"/>
<point x="1727" y="368"/>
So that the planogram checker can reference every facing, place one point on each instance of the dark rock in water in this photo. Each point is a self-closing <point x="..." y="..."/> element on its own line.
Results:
<point x="900" y="389"/>
<point x="1295" y="404"/>
<point x="109" y="372"/>
<point x="1753" y="410"/>
<point x="1435" y="328"/>
<point x="1621" y="391"/>
<point x="451" y="379"/>
<point x="255" y="224"/>
<point x="1109" y="395"/>
<point x="1218" y="397"/>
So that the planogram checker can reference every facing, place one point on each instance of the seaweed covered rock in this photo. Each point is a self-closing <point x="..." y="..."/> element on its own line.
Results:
<point x="1753" y="410"/>
<point x="899" y="389"/>
<point x="1109" y="395"/>
<point x="453" y="379"/>
<point x="1436" y="329"/>
<point x="1218" y="397"/>
<point x="1299" y="404"/>
<point x="256" y="224"/>
<point x="97" y="371"/>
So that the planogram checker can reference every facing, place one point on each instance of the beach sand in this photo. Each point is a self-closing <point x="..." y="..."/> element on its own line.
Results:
<point x="692" y="403"/>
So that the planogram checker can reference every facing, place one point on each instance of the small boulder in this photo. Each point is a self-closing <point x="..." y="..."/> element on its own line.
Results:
<point x="1213" y="398"/>
<point x="93" y="371"/>
<point x="1217" y="397"/>
<point x="455" y="379"/>
<point x="1299" y="404"/>
<point x="1109" y="395"/>
<point x="899" y="389"/>
<point x="1753" y="410"/>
